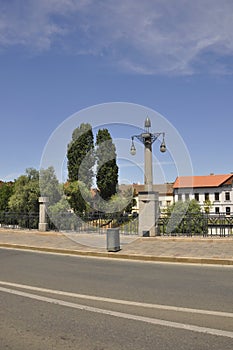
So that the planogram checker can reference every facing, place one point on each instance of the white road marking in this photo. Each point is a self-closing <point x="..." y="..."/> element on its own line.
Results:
<point x="118" y="301"/>
<point x="154" y="321"/>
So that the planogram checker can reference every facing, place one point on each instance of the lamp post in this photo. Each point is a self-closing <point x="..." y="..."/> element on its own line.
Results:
<point x="148" y="199"/>
<point x="148" y="138"/>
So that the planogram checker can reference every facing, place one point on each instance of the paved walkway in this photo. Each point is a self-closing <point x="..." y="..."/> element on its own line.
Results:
<point x="168" y="249"/>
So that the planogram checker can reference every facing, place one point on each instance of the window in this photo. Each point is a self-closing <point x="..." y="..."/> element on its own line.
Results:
<point x="207" y="196"/>
<point x="228" y="210"/>
<point x="186" y="196"/>
<point x="227" y="196"/>
<point x="168" y="203"/>
<point x="216" y="210"/>
<point x="196" y="196"/>
<point x="216" y="196"/>
<point x="179" y="197"/>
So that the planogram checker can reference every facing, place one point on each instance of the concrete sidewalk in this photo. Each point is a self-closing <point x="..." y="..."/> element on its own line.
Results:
<point x="164" y="249"/>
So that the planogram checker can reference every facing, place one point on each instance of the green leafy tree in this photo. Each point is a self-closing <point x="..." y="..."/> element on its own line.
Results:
<point x="131" y="202"/>
<point x="78" y="196"/>
<point x="49" y="185"/>
<point x="186" y="217"/>
<point x="191" y="207"/>
<point x="81" y="160"/>
<point x="207" y="206"/>
<point x="62" y="206"/>
<point x="26" y="193"/>
<point x="80" y="155"/>
<point x="107" y="169"/>
<point x="6" y="191"/>
<point x="29" y="187"/>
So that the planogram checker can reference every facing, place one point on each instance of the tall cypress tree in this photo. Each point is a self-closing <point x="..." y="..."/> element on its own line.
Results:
<point x="81" y="156"/>
<point x="107" y="169"/>
<point x="81" y="160"/>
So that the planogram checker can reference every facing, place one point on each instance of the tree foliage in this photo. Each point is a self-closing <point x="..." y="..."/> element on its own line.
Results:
<point x="130" y="194"/>
<point x="6" y="191"/>
<point x="186" y="217"/>
<point x="107" y="169"/>
<point x="121" y="202"/>
<point x="207" y="206"/>
<point x="49" y="185"/>
<point x="26" y="193"/>
<point x="190" y="207"/>
<point x="26" y="190"/>
<point x="80" y="155"/>
<point x="78" y="196"/>
<point x="81" y="160"/>
<point x="62" y="206"/>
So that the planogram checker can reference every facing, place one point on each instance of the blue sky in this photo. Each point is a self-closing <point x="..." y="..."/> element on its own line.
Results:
<point x="58" y="57"/>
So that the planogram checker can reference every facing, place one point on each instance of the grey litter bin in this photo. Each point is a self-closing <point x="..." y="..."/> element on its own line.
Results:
<point x="146" y="233"/>
<point x="113" y="240"/>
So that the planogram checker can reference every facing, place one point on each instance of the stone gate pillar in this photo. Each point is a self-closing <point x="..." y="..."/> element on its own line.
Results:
<point x="148" y="213"/>
<point x="43" y="220"/>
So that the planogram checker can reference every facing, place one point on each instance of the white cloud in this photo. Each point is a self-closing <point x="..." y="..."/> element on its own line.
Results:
<point x="147" y="37"/>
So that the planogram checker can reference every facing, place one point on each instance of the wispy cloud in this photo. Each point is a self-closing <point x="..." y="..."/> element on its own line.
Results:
<point x="146" y="37"/>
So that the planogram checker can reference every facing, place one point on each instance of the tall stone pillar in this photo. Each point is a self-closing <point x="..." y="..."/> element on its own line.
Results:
<point x="148" y="172"/>
<point x="43" y="222"/>
<point x="148" y="213"/>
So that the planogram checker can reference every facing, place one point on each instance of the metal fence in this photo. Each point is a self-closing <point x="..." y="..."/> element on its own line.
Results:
<point x="98" y="223"/>
<point x="220" y="224"/>
<point x="200" y="224"/>
<point x="19" y="220"/>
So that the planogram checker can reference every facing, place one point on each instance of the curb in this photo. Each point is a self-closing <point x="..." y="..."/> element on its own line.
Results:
<point x="135" y="257"/>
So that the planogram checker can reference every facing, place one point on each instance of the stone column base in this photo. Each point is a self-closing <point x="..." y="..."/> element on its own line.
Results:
<point x="148" y="213"/>
<point x="43" y="227"/>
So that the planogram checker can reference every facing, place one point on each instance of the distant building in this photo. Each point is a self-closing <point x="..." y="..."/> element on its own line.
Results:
<point x="213" y="192"/>
<point x="165" y="194"/>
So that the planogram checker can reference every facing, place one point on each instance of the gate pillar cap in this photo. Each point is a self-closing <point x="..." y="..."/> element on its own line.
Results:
<point x="43" y="199"/>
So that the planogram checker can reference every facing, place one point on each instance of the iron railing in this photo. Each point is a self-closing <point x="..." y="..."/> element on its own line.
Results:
<point x="97" y="223"/>
<point x="19" y="220"/>
<point x="200" y="224"/>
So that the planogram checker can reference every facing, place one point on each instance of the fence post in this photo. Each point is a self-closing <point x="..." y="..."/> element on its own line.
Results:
<point x="43" y="223"/>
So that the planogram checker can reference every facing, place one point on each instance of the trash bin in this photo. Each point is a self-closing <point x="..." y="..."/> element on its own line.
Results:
<point x="113" y="240"/>
<point x="146" y="233"/>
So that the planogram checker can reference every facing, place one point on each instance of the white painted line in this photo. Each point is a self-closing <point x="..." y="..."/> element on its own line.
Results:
<point x="154" y="321"/>
<point x="119" y="301"/>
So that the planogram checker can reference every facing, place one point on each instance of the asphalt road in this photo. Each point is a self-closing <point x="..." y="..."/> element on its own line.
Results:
<point x="61" y="302"/>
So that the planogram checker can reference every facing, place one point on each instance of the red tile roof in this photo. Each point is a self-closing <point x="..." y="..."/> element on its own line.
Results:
<point x="202" y="181"/>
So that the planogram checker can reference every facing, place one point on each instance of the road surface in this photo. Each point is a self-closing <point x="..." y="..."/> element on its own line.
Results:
<point x="62" y="302"/>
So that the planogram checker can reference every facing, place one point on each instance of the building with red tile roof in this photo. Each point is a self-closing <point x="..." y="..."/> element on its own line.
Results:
<point x="211" y="180"/>
<point x="213" y="192"/>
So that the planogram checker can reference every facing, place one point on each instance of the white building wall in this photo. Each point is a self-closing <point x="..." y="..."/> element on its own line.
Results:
<point x="164" y="202"/>
<point x="222" y="203"/>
